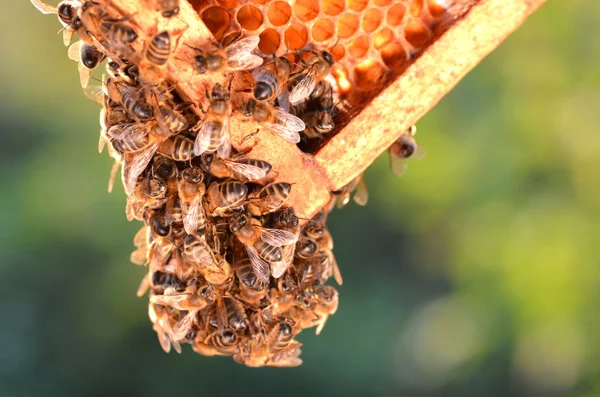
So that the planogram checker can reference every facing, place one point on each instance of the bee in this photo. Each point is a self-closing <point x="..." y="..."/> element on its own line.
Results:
<point x="225" y="196"/>
<point x="167" y="8"/>
<point x="274" y="350"/>
<point x="269" y="199"/>
<point x="87" y="58"/>
<point x="235" y="312"/>
<point x="156" y="56"/>
<point x="326" y="301"/>
<point x="66" y="11"/>
<point x="276" y="120"/>
<point x="179" y="148"/>
<point x="149" y="194"/>
<point x="174" y="122"/>
<point x="262" y="245"/>
<point x="198" y="253"/>
<point x="129" y="97"/>
<point x="404" y="148"/>
<point x="184" y="301"/>
<point x="213" y="135"/>
<point x="134" y="165"/>
<point x="131" y="137"/>
<point x="269" y="80"/>
<point x="357" y="186"/>
<point x="224" y="343"/>
<point x="191" y="191"/>
<point x="111" y="114"/>
<point x="318" y="123"/>
<point x="245" y="170"/>
<point x="315" y="70"/>
<point x="159" y="316"/>
<point x="236" y="56"/>
<point x="252" y="289"/>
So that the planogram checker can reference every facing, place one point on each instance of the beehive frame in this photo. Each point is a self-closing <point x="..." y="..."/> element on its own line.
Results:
<point x="478" y="27"/>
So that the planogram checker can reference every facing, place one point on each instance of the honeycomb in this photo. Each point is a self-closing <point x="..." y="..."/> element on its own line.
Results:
<point x="368" y="38"/>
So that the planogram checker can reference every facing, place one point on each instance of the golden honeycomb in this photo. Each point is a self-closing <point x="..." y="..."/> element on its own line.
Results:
<point x="369" y="38"/>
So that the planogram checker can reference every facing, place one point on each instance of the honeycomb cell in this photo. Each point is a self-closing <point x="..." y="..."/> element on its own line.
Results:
<point x="341" y="77"/>
<point x="436" y="10"/>
<point x="296" y="36"/>
<point x="260" y="1"/>
<point x="359" y="46"/>
<point x="393" y="55"/>
<point x="347" y="25"/>
<point x="217" y="20"/>
<point x="279" y="13"/>
<point x="358" y="5"/>
<point x="382" y="3"/>
<point x="333" y="7"/>
<point x="249" y="17"/>
<point x="416" y="33"/>
<point x="371" y="19"/>
<point x="338" y="51"/>
<point x="228" y="3"/>
<point x="269" y="41"/>
<point x="395" y="14"/>
<point x="382" y="37"/>
<point x="322" y="30"/>
<point x="415" y="8"/>
<point x="368" y="74"/>
<point x="306" y="10"/>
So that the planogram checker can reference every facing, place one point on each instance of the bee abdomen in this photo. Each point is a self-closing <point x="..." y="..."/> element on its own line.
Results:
<point x="233" y="192"/>
<point x="159" y="49"/>
<point x="268" y="252"/>
<point x="182" y="148"/>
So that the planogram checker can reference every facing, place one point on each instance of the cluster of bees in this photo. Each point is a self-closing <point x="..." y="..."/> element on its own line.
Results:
<point x="231" y="271"/>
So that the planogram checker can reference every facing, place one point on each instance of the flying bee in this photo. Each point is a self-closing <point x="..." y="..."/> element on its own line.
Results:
<point x="129" y="97"/>
<point x="315" y="70"/>
<point x="269" y="199"/>
<point x="66" y="11"/>
<point x="236" y="56"/>
<point x="252" y="289"/>
<point x="262" y="245"/>
<point x="403" y="149"/>
<point x="244" y="170"/>
<point x="191" y="191"/>
<point x="270" y="79"/>
<point x="276" y="120"/>
<point x="179" y="148"/>
<point x="357" y="186"/>
<point x="167" y="8"/>
<point x="87" y="58"/>
<point x="213" y="135"/>
<point x="225" y="196"/>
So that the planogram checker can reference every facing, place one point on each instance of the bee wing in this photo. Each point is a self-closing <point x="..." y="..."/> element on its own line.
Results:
<point x="73" y="51"/>
<point x="202" y="141"/>
<point x="289" y="120"/>
<point x="43" y="7"/>
<point x="283" y="100"/>
<point x="144" y="286"/>
<point x="163" y="339"/>
<point x="191" y="215"/>
<point x="139" y="240"/>
<point x="260" y="267"/>
<point x="84" y="75"/>
<point x="361" y="194"/>
<point x="113" y="175"/>
<point x="247" y="44"/>
<point x="244" y="61"/>
<point x="94" y="92"/>
<point x="252" y="172"/>
<point x="278" y="237"/>
<point x="398" y="165"/>
<point x="261" y="73"/>
<point x="303" y="89"/>
<point x="337" y="274"/>
<point x="285" y="133"/>
<point x="134" y="168"/>
<point x="419" y="152"/>
<point x="224" y="149"/>
<point x="174" y="301"/>
<point x="342" y="200"/>
<point x="138" y="257"/>
<point x="183" y="327"/>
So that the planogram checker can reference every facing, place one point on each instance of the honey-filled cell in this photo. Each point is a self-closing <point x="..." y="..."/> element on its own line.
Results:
<point x="217" y="20"/>
<point x="228" y="3"/>
<point x="382" y="37"/>
<point x="279" y="13"/>
<point x="347" y="25"/>
<point x="368" y="75"/>
<point x="333" y="7"/>
<point x="416" y="33"/>
<point x="306" y="10"/>
<point x="295" y="37"/>
<point x="322" y="30"/>
<point x="359" y="46"/>
<point x="249" y="17"/>
<point x="358" y="5"/>
<point x="395" y="14"/>
<point x="371" y="19"/>
<point x="269" y="41"/>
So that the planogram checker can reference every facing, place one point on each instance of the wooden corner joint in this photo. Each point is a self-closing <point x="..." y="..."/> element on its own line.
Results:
<point x="479" y="28"/>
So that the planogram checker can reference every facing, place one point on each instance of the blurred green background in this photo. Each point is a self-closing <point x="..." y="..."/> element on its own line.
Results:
<point x="475" y="274"/>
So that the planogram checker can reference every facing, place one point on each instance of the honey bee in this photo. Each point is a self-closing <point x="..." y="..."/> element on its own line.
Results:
<point x="315" y="70"/>
<point x="149" y="194"/>
<point x="129" y="97"/>
<point x="245" y="170"/>
<point x="223" y="343"/>
<point x="269" y="80"/>
<point x="179" y="148"/>
<point x="235" y="312"/>
<point x="326" y="304"/>
<point x="276" y="120"/>
<point x="159" y="316"/>
<point x="156" y="56"/>
<point x="87" y="58"/>
<point x="357" y="186"/>
<point x="201" y="256"/>
<point x="213" y="134"/>
<point x="269" y="199"/>
<point x="167" y="282"/>
<point x="180" y="301"/>
<point x="272" y="351"/>
<point x="191" y="191"/>
<point x="131" y="137"/>
<point x="134" y="165"/>
<point x="174" y="122"/>
<point x="66" y="11"/>
<point x="167" y="8"/>
<point x="404" y="148"/>
<point x="252" y="289"/>
<point x="225" y="196"/>
<point x="236" y="56"/>
<point x="262" y="245"/>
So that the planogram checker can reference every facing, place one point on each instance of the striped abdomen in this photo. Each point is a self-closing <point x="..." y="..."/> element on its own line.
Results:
<point x="159" y="49"/>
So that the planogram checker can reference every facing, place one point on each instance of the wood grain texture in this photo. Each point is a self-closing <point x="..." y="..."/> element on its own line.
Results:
<point x="481" y="27"/>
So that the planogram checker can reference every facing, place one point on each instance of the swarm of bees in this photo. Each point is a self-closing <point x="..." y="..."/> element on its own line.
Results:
<point x="230" y="269"/>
